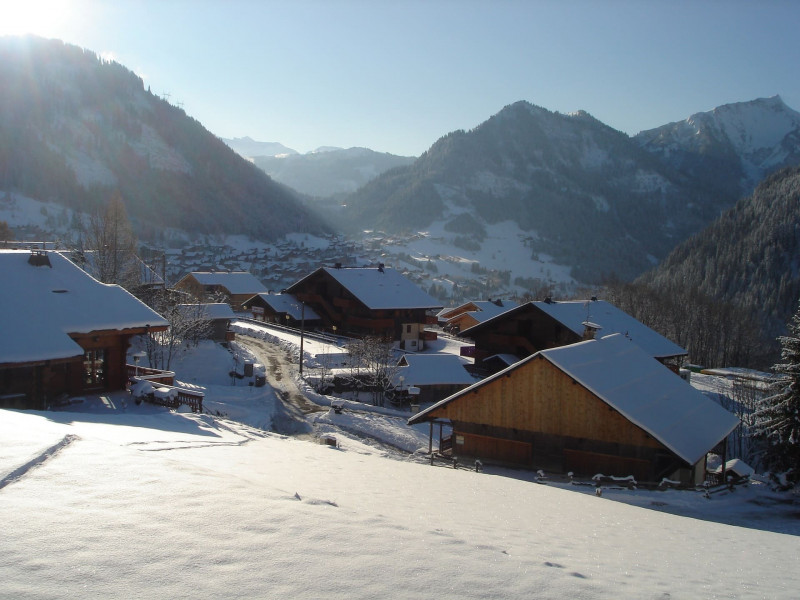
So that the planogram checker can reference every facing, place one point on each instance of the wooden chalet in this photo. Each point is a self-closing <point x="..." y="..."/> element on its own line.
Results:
<point x="536" y="326"/>
<point x="599" y="406"/>
<point x="472" y="313"/>
<point x="369" y="301"/>
<point x="234" y="286"/>
<point x="283" y="309"/>
<point x="64" y="333"/>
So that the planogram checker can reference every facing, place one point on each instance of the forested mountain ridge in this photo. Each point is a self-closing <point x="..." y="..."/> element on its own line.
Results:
<point x="732" y="147"/>
<point x="74" y="129"/>
<point x="749" y="257"/>
<point x="589" y="195"/>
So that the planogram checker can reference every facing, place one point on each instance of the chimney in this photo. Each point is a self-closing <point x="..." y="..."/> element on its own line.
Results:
<point x="589" y="330"/>
<point x="39" y="258"/>
<point x="380" y="267"/>
<point x="338" y="265"/>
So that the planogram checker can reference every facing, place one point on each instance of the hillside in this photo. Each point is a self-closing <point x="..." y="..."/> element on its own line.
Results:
<point x="108" y="497"/>
<point x="75" y="128"/>
<point x="587" y="194"/>
<point x="328" y="173"/>
<point x="732" y="147"/>
<point x="749" y="257"/>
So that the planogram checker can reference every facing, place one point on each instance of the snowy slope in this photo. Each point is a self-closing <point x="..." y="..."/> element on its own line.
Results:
<point x="171" y="506"/>
<point x="761" y="136"/>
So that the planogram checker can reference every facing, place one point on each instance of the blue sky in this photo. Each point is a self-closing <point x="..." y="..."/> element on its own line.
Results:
<point x="396" y="76"/>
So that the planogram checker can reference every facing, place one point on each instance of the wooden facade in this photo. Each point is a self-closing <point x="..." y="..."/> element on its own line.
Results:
<point x="529" y="328"/>
<point x="599" y="406"/>
<point x="210" y="287"/>
<point x="521" y="332"/>
<point x="538" y="416"/>
<point x="101" y="368"/>
<point x="66" y="334"/>
<point x="339" y="306"/>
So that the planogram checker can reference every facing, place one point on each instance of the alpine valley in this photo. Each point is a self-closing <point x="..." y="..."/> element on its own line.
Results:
<point x="528" y="202"/>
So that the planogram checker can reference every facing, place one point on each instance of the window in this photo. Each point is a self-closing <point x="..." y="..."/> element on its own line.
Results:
<point x="94" y="368"/>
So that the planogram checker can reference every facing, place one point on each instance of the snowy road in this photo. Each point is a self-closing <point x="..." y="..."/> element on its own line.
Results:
<point x="291" y="419"/>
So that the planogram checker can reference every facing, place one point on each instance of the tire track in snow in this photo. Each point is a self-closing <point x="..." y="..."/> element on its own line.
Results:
<point x="20" y="472"/>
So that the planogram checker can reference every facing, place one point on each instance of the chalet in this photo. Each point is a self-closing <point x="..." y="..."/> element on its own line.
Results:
<point x="535" y="326"/>
<point x="430" y="377"/>
<point x="599" y="406"/>
<point x="218" y="314"/>
<point x="471" y="313"/>
<point x="234" y="286"/>
<point x="281" y="308"/>
<point x="64" y="333"/>
<point x="369" y="301"/>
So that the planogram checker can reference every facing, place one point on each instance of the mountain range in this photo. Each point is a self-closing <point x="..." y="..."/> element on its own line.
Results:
<point x="561" y="193"/>
<point x="590" y="197"/>
<point x="327" y="172"/>
<point x="76" y="129"/>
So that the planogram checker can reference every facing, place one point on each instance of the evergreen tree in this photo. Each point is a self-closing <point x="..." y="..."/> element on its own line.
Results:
<point x="777" y="416"/>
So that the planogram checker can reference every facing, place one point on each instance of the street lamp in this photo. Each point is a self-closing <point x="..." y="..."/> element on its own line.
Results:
<point x="302" y="331"/>
<point x="136" y="358"/>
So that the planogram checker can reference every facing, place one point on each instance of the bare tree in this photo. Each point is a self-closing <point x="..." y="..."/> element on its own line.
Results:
<point x="110" y="238"/>
<point x="374" y="362"/>
<point x="187" y="323"/>
<point x="5" y="232"/>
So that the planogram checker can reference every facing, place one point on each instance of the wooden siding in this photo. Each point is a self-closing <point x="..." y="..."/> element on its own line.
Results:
<point x="539" y="416"/>
<point x="504" y="450"/>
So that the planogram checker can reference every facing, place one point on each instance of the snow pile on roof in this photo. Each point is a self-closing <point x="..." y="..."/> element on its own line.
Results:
<point x="40" y="305"/>
<point x="573" y="314"/>
<point x="236" y="282"/>
<point x="646" y="393"/>
<point x="432" y="369"/>
<point x="382" y="289"/>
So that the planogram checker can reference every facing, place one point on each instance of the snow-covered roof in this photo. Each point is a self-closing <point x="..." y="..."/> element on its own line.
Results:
<point x="236" y="282"/>
<point x="646" y="393"/>
<point x="211" y="310"/>
<point x="40" y="305"/>
<point x="481" y="310"/>
<point x="508" y="359"/>
<point x="382" y="289"/>
<point x="640" y="388"/>
<point x="286" y="303"/>
<point x="599" y="313"/>
<point x="432" y="369"/>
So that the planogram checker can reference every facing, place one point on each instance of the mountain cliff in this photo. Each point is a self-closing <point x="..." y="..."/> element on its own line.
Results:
<point x="74" y="129"/>
<point x="733" y="147"/>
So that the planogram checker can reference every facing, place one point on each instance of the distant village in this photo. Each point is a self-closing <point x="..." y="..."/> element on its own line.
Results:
<point x="279" y="264"/>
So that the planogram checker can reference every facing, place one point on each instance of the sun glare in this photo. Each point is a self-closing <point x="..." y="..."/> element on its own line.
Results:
<point x="37" y="17"/>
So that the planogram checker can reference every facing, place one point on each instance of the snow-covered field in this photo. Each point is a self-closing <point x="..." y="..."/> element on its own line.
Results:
<point x="117" y="500"/>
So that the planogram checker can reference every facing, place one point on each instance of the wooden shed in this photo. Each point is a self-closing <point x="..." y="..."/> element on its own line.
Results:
<point x="599" y="406"/>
